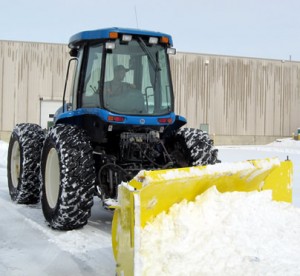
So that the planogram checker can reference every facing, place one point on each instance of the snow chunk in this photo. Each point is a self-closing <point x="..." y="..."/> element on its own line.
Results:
<point x="223" y="234"/>
<point x="126" y="185"/>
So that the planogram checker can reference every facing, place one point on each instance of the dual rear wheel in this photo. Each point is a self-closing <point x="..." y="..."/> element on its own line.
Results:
<point x="23" y="163"/>
<point x="59" y="166"/>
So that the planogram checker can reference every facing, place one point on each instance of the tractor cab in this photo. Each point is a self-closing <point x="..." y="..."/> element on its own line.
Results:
<point x="122" y="71"/>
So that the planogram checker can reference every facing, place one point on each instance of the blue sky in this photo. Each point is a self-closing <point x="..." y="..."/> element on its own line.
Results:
<point x="251" y="28"/>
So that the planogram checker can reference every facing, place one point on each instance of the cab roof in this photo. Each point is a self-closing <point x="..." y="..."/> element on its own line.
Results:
<point x="76" y="39"/>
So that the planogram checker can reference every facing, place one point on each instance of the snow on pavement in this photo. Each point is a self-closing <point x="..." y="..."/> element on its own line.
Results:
<point x="234" y="233"/>
<point x="29" y="247"/>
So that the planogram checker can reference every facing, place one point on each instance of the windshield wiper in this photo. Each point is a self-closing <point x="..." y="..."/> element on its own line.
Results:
<point x="153" y="61"/>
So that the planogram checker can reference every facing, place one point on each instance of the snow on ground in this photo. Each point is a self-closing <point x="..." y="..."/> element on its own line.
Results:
<point x="237" y="234"/>
<point x="29" y="247"/>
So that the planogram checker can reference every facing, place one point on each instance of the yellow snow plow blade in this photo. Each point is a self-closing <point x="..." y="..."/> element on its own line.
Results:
<point x="152" y="192"/>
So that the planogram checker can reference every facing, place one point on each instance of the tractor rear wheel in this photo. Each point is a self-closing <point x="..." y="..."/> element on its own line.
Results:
<point x="68" y="177"/>
<point x="23" y="163"/>
<point x="193" y="147"/>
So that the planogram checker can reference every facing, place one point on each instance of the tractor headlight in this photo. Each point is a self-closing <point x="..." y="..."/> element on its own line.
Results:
<point x="171" y="51"/>
<point x="110" y="45"/>
<point x="153" y="40"/>
<point x="126" y="38"/>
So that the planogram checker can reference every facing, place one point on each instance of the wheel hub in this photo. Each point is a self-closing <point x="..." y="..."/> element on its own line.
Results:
<point x="52" y="178"/>
<point x="15" y="164"/>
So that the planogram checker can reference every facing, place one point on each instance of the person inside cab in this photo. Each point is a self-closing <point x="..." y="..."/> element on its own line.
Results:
<point x="117" y="86"/>
<point x="121" y="96"/>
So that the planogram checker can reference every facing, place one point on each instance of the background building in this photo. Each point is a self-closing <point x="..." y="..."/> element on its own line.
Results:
<point x="238" y="100"/>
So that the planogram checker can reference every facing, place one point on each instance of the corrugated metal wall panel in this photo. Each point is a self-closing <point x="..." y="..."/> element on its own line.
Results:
<point x="9" y="88"/>
<point x="1" y="84"/>
<point x="29" y="71"/>
<point x="295" y="98"/>
<point x="235" y="96"/>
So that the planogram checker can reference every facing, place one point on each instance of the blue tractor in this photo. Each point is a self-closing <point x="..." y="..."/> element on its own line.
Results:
<point x="119" y="120"/>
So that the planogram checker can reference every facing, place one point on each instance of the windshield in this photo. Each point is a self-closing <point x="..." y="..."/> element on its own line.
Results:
<point x="137" y="79"/>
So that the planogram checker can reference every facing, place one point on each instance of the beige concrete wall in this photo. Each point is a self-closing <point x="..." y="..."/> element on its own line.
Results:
<point x="243" y="100"/>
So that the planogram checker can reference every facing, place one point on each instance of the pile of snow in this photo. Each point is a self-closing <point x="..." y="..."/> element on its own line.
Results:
<point x="286" y="142"/>
<point x="223" y="234"/>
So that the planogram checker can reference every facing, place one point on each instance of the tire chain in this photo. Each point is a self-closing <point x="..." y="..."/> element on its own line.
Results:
<point x="31" y="138"/>
<point x="77" y="177"/>
<point x="199" y="145"/>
